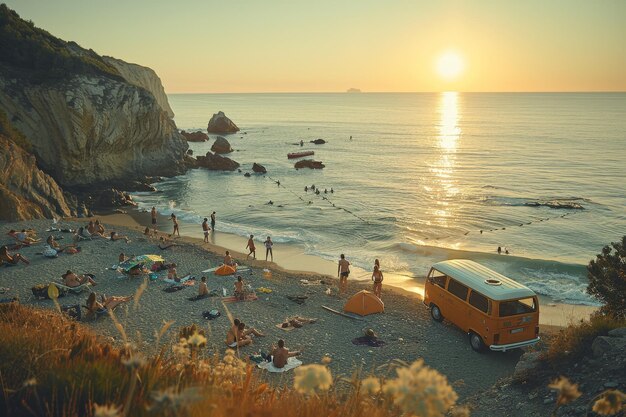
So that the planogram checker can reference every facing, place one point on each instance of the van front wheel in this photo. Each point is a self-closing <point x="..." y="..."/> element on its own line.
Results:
<point x="435" y="312"/>
<point x="476" y="342"/>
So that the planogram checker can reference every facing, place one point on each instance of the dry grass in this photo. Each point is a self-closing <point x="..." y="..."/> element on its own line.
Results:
<point x="574" y="341"/>
<point x="52" y="366"/>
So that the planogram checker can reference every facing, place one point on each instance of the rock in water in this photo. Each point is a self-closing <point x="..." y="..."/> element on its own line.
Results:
<point x="26" y="192"/>
<point x="221" y="145"/>
<point x="215" y="162"/>
<point x="195" y="136"/>
<point x="309" y="163"/>
<point x="258" y="168"/>
<point x="219" y="123"/>
<point x="318" y="141"/>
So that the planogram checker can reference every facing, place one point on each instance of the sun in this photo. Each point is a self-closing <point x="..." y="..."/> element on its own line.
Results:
<point x="450" y="65"/>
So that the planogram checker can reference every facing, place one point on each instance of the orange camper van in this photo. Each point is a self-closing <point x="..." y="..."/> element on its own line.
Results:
<point x="495" y="311"/>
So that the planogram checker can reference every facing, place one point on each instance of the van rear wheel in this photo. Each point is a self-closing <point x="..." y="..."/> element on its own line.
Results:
<point x="476" y="342"/>
<point x="435" y="312"/>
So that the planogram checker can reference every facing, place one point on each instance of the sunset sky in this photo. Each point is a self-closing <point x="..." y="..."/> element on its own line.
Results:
<point x="332" y="45"/>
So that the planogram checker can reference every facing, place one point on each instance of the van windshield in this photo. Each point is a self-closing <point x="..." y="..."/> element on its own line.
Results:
<point x="521" y="306"/>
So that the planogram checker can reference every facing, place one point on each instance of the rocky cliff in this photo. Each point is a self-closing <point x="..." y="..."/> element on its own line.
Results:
<point x="85" y="121"/>
<point x="143" y="77"/>
<point x="26" y="192"/>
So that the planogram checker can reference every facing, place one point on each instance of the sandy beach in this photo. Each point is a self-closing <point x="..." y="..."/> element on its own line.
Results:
<point x="406" y="326"/>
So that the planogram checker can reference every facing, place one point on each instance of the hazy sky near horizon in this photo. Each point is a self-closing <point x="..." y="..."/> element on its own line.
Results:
<point x="375" y="45"/>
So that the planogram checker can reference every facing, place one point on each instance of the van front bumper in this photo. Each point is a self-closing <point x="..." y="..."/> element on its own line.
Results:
<point x="504" y="348"/>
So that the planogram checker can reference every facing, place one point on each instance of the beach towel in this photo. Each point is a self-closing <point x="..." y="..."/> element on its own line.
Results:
<point x="249" y="297"/>
<point x="368" y="341"/>
<point x="180" y="280"/>
<point x="174" y="288"/>
<point x="307" y="282"/>
<point x="291" y="364"/>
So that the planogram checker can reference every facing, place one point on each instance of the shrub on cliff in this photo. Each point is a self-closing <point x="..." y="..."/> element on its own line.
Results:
<point x="26" y="46"/>
<point x="607" y="279"/>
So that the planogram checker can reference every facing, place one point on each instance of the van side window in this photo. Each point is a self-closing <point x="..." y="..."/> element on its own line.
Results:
<point x="522" y="306"/>
<point x="457" y="289"/>
<point x="479" y="301"/>
<point x="439" y="280"/>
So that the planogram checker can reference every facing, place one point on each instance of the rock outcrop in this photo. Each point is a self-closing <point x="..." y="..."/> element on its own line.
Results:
<point x="219" y="123"/>
<point x="216" y="162"/>
<point x="309" y="163"/>
<point x="195" y="136"/>
<point x="221" y="145"/>
<point x="318" y="141"/>
<point x="85" y="121"/>
<point x="26" y="192"/>
<point x="258" y="168"/>
<point x="143" y="77"/>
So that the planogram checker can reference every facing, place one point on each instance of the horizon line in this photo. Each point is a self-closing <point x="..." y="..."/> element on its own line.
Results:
<point x="409" y="92"/>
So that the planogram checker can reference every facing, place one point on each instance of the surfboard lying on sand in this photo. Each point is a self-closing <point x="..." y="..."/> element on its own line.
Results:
<point x="332" y="310"/>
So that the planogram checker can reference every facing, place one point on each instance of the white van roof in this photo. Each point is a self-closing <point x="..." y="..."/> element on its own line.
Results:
<point x="476" y="276"/>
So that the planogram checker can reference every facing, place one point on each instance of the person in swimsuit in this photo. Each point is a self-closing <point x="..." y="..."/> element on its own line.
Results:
<point x="153" y="215"/>
<point x="235" y="337"/>
<point x="99" y="227"/>
<point x="175" y="220"/>
<point x="51" y="241"/>
<point x="108" y="303"/>
<point x="213" y="221"/>
<point x="171" y="272"/>
<point x="251" y="247"/>
<point x="72" y="280"/>
<point x="203" y="290"/>
<point x="377" y="277"/>
<point x="228" y="260"/>
<point x="115" y="236"/>
<point x="280" y="354"/>
<point x="205" y="229"/>
<point x="240" y="292"/>
<point x="6" y="257"/>
<point x="164" y="243"/>
<point x="268" y="248"/>
<point x="343" y="270"/>
<point x="91" y="227"/>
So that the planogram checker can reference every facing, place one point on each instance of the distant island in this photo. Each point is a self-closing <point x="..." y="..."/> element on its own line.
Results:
<point x="353" y="90"/>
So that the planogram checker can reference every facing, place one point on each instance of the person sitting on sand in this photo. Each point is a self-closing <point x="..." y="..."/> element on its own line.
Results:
<point x="240" y="292"/>
<point x="6" y="257"/>
<point x="51" y="241"/>
<point x="147" y="231"/>
<point x="99" y="228"/>
<point x="91" y="227"/>
<point x="24" y="237"/>
<point x="108" y="303"/>
<point x="115" y="236"/>
<point x="228" y="260"/>
<point x="173" y="218"/>
<point x="250" y="246"/>
<point x="377" y="277"/>
<point x="84" y="232"/>
<point x="234" y="336"/>
<point x="122" y="258"/>
<point x="203" y="290"/>
<point x="279" y="355"/>
<point x="70" y="279"/>
<point x="164" y="243"/>
<point x="171" y="272"/>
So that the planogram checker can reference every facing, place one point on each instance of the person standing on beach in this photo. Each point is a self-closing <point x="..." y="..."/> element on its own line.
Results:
<point x="268" y="248"/>
<point x="153" y="214"/>
<point x="205" y="229"/>
<point x="213" y="221"/>
<point x="251" y="247"/>
<point x="377" y="277"/>
<point x="175" y="220"/>
<point x="343" y="270"/>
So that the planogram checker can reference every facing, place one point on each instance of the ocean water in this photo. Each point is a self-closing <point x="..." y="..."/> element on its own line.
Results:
<point x="420" y="179"/>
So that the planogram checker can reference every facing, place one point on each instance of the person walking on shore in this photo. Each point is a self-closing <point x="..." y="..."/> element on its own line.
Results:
<point x="377" y="277"/>
<point x="250" y="246"/>
<point x="205" y="229"/>
<point x="213" y="221"/>
<point x="153" y="214"/>
<point x="268" y="248"/>
<point x="343" y="270"/>
<point x="175" y="220"/>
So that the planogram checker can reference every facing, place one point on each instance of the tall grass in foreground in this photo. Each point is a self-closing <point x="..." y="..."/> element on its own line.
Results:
<point x="52" y="366"/>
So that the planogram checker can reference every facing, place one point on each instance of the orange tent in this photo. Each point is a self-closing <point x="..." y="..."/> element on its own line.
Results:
<point x="364" y="303"/>
<point x="226" y="270"/>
